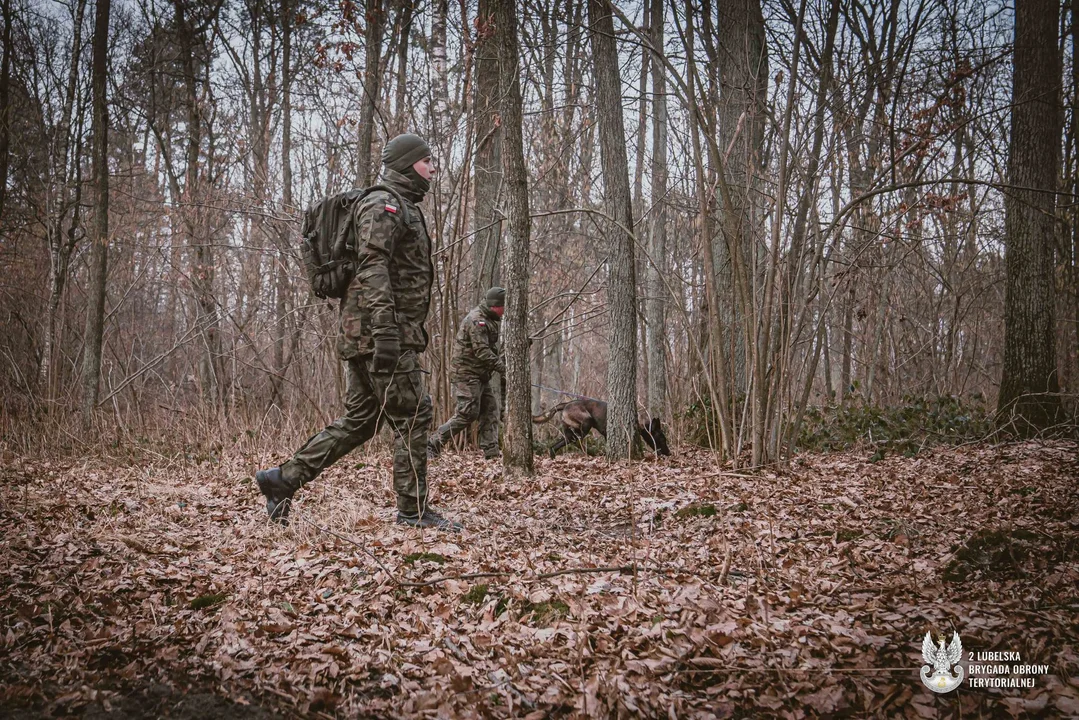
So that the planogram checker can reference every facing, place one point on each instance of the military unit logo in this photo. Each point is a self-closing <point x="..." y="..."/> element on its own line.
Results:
<point x="938" y="675"/>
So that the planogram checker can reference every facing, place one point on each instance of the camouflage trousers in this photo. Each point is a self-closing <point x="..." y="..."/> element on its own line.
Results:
<point x="475" y="401"/>
<point x="399" y="400"/>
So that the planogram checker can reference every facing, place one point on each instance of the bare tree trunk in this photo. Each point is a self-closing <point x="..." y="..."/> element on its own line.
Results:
<point x="488" y="168"/>
<point x="262" y="94"/>
<point x="767" y="420"/>
<point x="538" y="376"/>
<point x="438" y="53"/>
<point x="860" y="235"/>
<point x="404" y="22"/>
<point x="637" y="203"/>
<point x="720" y="424"/>
<point x="743" y="76"/>
<point x="1068" y="260"/>
<point x="376" y="19"/>
<point x="848" y="342"/>
<point x="281" y="293"/>
<point x="829" y="391"/>
<point x="642" y="123"/>
<point x="99" y="253"/>
<point x="203" y="270"/>
<point x="440" y="119"/>
<point x="1073" y="175"/>
<point x="517" y="445"/>
<point x="5" y="106"/>
<point x="656" y="304"/>
<point x="621" y="280"/>
<point x="795" y="310"/>
<point x="61" y="240"/>
<point x="1029" y="399"/>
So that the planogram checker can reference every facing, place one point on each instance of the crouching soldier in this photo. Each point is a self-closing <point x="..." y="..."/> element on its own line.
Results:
<point x="381" y="337"/>
<point x="475" y="359"/>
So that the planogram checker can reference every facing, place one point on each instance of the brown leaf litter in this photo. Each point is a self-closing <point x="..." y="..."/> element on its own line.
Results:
<point x="669" y="588"/>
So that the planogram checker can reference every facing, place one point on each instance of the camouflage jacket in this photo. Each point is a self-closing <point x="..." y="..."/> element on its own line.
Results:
<point x="476" y="348"/>
<point x="391" y="291"/>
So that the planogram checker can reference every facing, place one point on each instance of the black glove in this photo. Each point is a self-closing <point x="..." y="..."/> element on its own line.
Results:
<point x="387" y="353"/>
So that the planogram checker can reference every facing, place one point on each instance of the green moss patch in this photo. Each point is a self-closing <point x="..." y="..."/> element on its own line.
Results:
<point x="544" y="613"/>
<point x="207" y="601"/>
<point x="697" y="510"/>
<point x="476" y="595"/>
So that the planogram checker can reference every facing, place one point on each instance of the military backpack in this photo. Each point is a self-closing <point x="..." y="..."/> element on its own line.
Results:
<point x="328" y="247"/>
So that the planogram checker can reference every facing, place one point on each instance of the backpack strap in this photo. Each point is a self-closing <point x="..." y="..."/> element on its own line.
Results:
<point x="396" y="195"/>
<point x="360" y="195"/>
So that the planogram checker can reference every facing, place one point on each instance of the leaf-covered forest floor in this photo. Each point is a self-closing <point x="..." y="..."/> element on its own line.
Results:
<point x="143" y="590"/>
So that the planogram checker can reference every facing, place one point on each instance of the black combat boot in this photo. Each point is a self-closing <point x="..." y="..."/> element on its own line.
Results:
<point x="278" y="494"/>
<point x="428" y="519"/>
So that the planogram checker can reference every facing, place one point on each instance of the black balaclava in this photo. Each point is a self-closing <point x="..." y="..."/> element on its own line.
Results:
<point x="401" y="153"/>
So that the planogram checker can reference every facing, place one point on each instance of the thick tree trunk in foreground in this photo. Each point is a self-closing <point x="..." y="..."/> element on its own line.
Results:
<point x="1028" y="400"/>
<point x="621" y="279"/>
<point x="517" y="444"/>
<point x="99" y="248"/>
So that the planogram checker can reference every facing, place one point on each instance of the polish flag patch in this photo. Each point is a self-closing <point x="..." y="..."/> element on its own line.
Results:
<point x="391" y="208"/>
<point x="481" y="323"/>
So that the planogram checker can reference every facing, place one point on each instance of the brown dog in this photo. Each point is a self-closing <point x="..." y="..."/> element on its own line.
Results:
<point x="580" y="417"/>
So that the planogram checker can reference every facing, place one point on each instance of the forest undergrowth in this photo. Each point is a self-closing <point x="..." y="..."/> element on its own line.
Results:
<point x="673" y="587"/>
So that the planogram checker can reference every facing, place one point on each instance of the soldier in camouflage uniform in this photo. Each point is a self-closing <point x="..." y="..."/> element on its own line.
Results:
<point x="381" y="338"/>
<point x="475" y="358"/>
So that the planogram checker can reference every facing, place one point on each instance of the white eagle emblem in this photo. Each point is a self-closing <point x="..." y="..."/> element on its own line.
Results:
<point x="939" y="677"/>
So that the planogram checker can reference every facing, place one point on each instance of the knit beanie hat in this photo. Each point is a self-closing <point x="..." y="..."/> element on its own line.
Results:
<point x="496" y="297"/>
<point x="403" y="151"/>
